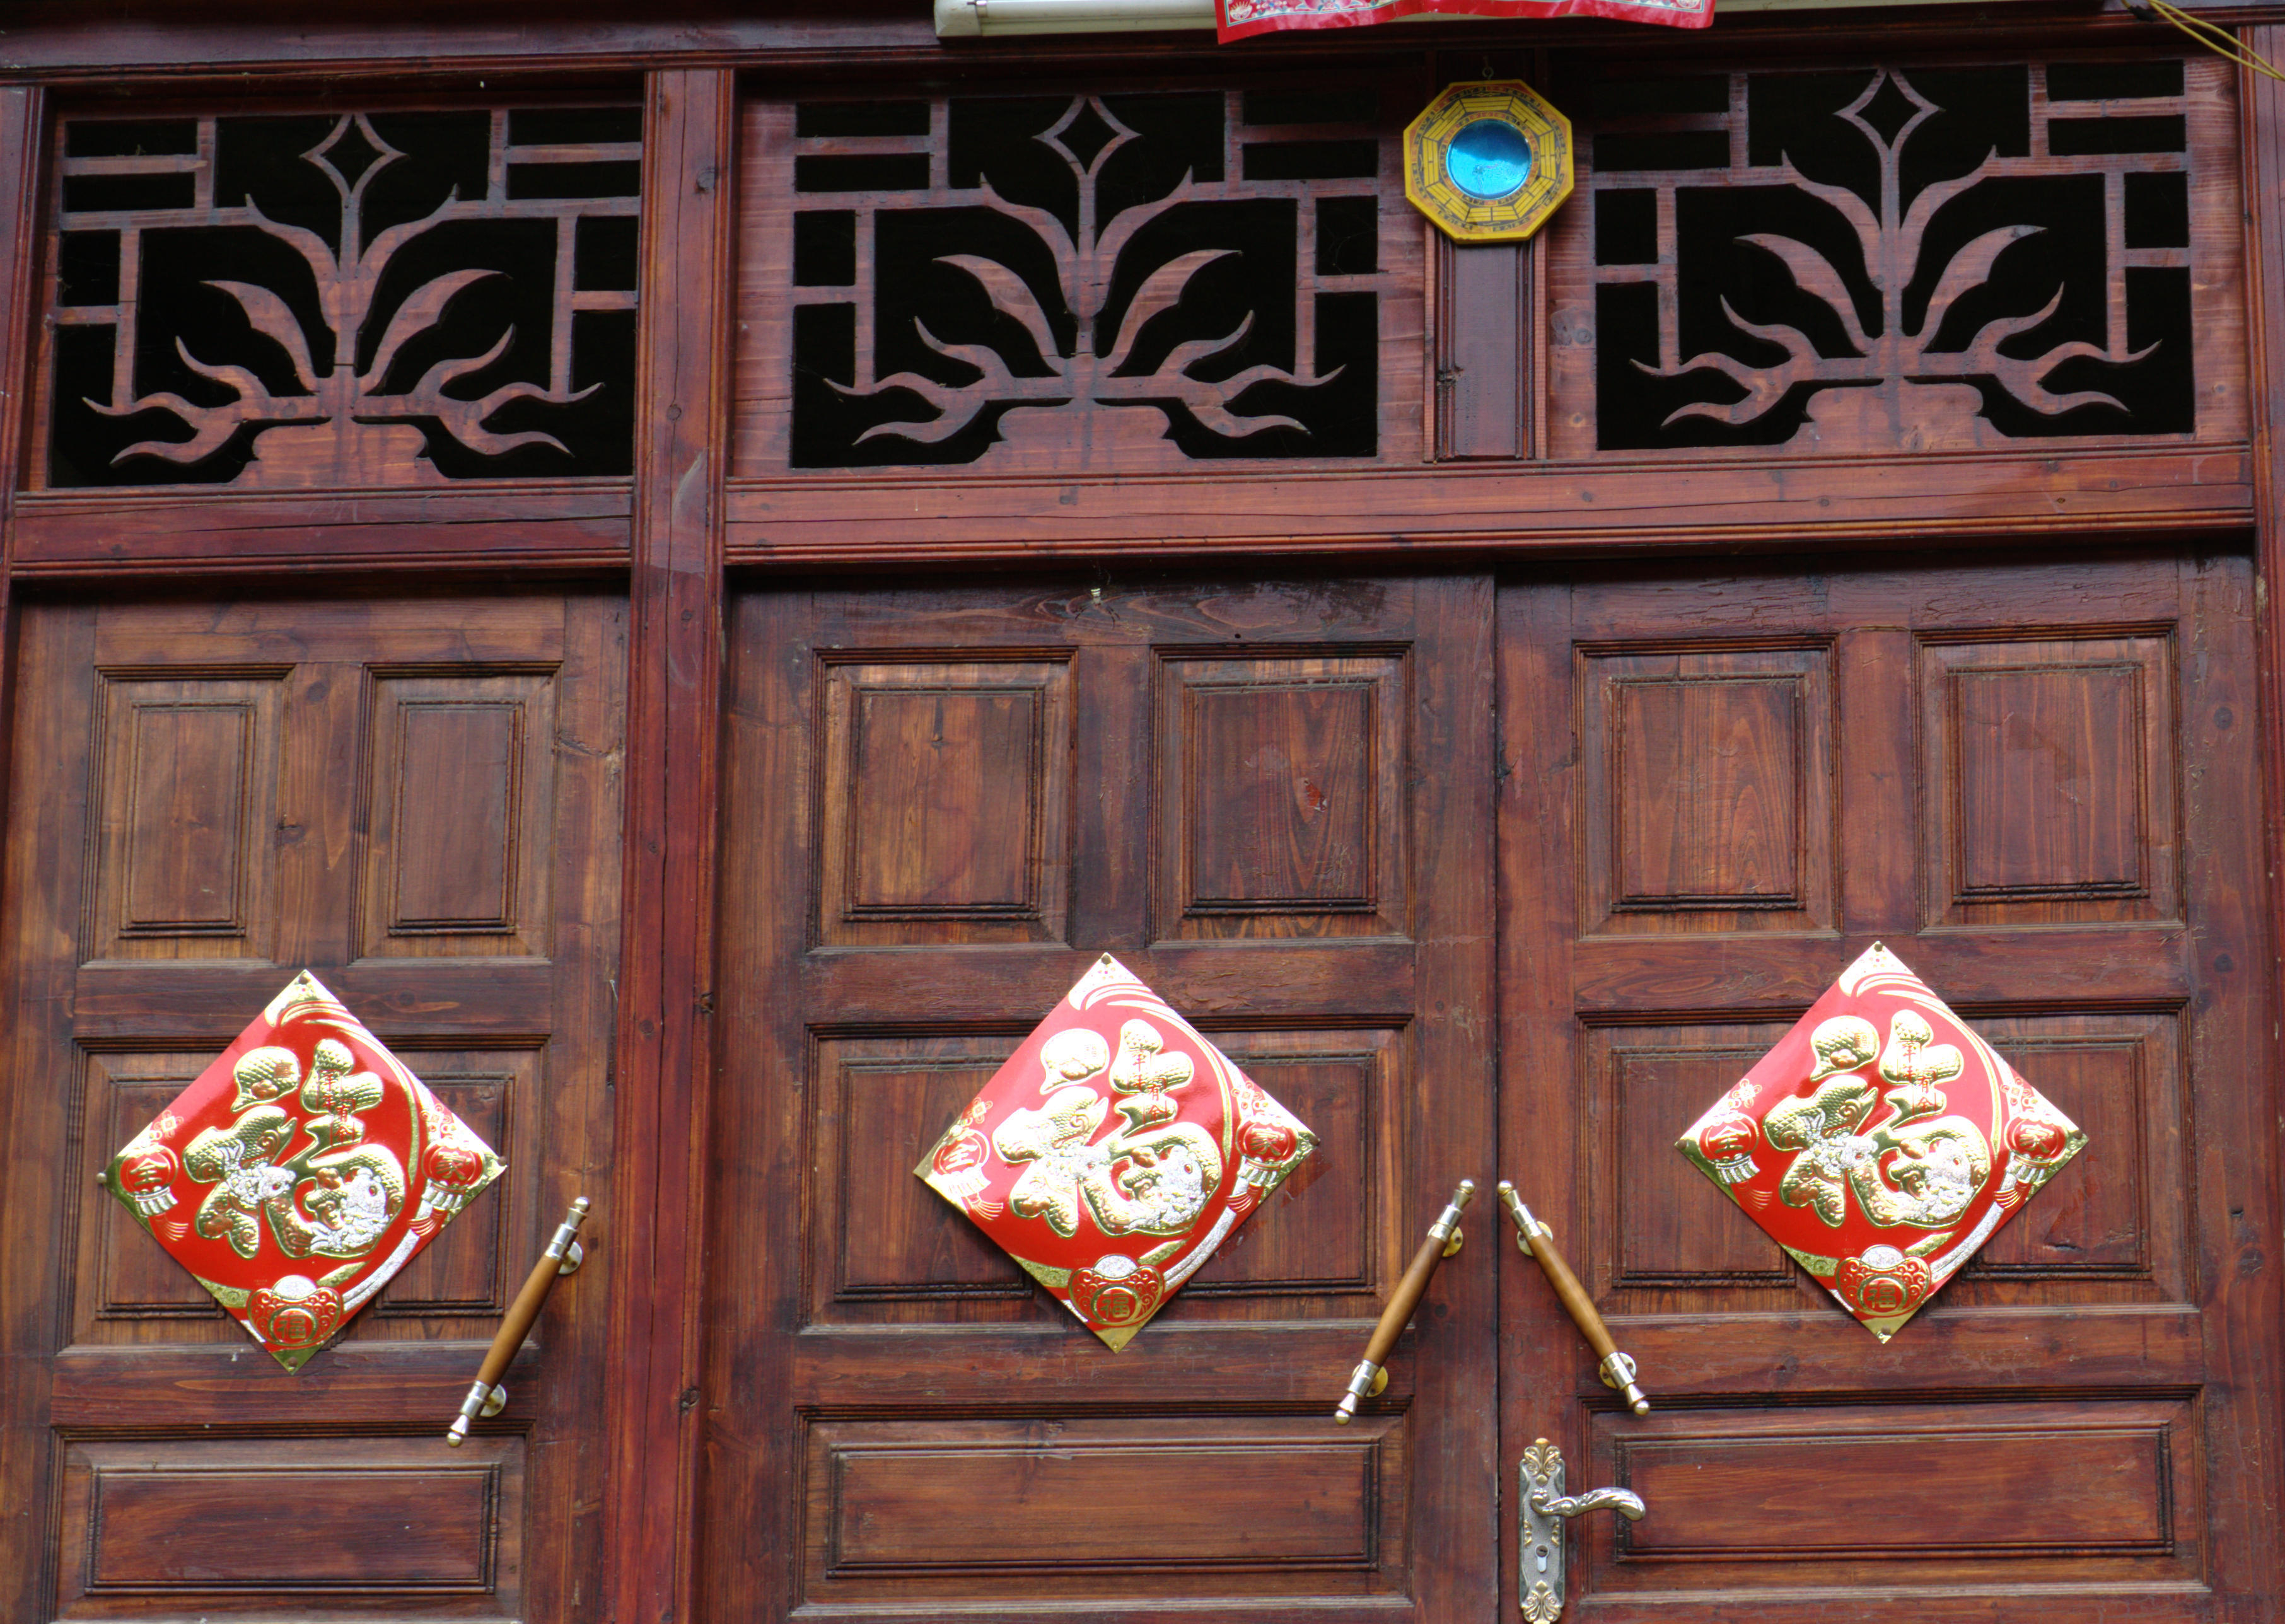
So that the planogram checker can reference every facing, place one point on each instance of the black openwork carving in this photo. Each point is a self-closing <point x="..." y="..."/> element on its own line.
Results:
<point x="1886" y="258"/>
<point x="344" y="300"/>
<point x="1164" y="276"/>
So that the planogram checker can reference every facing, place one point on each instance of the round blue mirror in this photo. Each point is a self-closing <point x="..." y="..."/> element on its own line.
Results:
<point x="1488" y="159"/>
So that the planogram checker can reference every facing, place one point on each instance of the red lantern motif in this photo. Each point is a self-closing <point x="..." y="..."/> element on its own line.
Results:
<point x="457" y="1169"/>
<point x="1727" y="1141"/>
<point x="960" y="1165"/>
<point x="1882" y="1142"/>
<point x="312" y="1167"/>
<point x="1114" y="1152"/>
<point x="146" y="1178"/>
<point x="2038" y="1138"/>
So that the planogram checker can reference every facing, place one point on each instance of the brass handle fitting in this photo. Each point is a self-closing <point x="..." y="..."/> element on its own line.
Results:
<point x="1443" y="1239"/>
<point x="562" y="1256"/>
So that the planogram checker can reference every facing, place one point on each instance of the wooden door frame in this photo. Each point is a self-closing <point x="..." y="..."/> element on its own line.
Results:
<point x="681" y="520"/>
<point x="665" y="1065"/>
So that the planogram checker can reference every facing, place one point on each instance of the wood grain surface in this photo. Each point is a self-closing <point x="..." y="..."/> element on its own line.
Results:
<point x="707" y="840"/>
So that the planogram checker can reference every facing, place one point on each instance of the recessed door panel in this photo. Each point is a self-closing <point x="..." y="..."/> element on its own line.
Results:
<point x="1272" y="803"/>
<point x="2029" y="781"/>
<point x="418" y="802"/>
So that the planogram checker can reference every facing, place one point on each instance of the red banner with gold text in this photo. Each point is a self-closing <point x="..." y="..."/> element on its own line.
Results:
<point x="1237" y="19"/>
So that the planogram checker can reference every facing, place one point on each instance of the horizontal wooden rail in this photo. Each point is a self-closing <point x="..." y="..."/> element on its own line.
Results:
<point x="880" y="516"/>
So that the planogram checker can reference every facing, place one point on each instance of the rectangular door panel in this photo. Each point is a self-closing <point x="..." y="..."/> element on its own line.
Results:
<point x="2033" y="782"/>
<point x="418" y="801"/>
<point x="1272" y="803"/>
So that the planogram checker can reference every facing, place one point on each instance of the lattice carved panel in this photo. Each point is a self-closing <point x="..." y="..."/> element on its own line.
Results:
<point x="341" y="300"/>
<point x="1901" y="258"/>
<point x="1081" y="282"/>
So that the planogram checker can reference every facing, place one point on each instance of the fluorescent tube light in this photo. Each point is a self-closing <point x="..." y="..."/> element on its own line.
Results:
<point x="996" y="18"/>
<point x="968" y="19"/>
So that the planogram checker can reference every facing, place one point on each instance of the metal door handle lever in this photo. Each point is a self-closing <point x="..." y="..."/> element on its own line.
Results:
<point x="1625" y="1502"/>
<point x="562" y="1256"/>
<point x="1545" y="1509"/>
<point x="1444" y="1238"/>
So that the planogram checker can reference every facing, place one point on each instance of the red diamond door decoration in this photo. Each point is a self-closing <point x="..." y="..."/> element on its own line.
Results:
<point x="1882" y="1142"/>
<point x="1114" y="1152"/>
<point x="300" y="1171"/>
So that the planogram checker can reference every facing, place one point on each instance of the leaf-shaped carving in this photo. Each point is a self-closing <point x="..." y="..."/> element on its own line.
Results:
<point x="274" y="320"/>
<point x="1161" y="290"/>
<point x="1011" y="296"/>
<point x="1816" y="275"/>
<point x="422" y="311"/>
<point x="1971" y="268"/>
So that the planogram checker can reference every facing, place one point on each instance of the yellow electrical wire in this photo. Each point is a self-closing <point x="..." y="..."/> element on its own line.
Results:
<point x="2215" y="38"/>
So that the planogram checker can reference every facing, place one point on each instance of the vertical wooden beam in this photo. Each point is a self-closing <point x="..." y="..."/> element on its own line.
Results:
<point x="27" y="1330"/>
<point x="2264" y="146"/>
<point x="20" y="115"/>
<point x="665" y="1061"/>
<point x="2264" y="143"/>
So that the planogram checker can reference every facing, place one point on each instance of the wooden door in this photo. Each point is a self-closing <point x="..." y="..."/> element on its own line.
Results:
<point x="1272" y="801"/>
<point x="2037" y="783"/>
<point x="418" y="801"/>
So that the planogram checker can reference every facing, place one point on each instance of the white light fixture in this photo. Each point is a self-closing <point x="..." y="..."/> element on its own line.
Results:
<point x="968" y="19"/>
<point x="998" y="18"/>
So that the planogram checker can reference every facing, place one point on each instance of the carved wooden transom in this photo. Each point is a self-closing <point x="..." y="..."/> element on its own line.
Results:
<point x="1897" y="258"/>
<point x="344" y="300"/>
<point x="1168" y="277"/>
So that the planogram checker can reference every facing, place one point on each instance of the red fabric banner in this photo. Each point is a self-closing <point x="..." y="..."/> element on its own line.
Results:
<point x="1237" y="19"/>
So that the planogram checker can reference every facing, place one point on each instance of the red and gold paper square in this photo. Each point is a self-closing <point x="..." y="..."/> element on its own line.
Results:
<point x="1882" y="1142"/>
<point x="1114" y="1152"/>
<point x="300" y="1171"/>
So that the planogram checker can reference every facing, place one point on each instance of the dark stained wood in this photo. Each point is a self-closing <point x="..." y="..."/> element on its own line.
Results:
<point x="906" y="739"/>
<point x="144" y="953"/>
<point x="665" y="993"/>
<point x="2265" y="156"/>
<point x="2108" y="1487"/>
<point x="379" y="1385"/>
<point x="1881" y="412"/>
<point x="182" y="1521"/>
<point x="2124" y="1326"/>
<point x="191" y="531"/>
<point x="1715" y="768"/>
<point x="903" y="1513"/>
<point x="2067" y="496"/>
<point x="1484" y="352"/>
<point x="58" y="40"/>
<point x="836" y="1278"/>
<point x="2108" y="1300"/>
<point x="1073" y="420"/>
<point x="22" y="116"/>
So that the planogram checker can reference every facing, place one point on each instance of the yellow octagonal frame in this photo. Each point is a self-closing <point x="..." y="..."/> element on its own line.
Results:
<point x="1509" y="218"/>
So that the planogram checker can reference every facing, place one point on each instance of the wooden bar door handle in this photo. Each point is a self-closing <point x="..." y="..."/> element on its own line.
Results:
<point x="1538" y="1241"/>
<point x="562" y="1256"/>
<point x="1443" y="1239"/>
